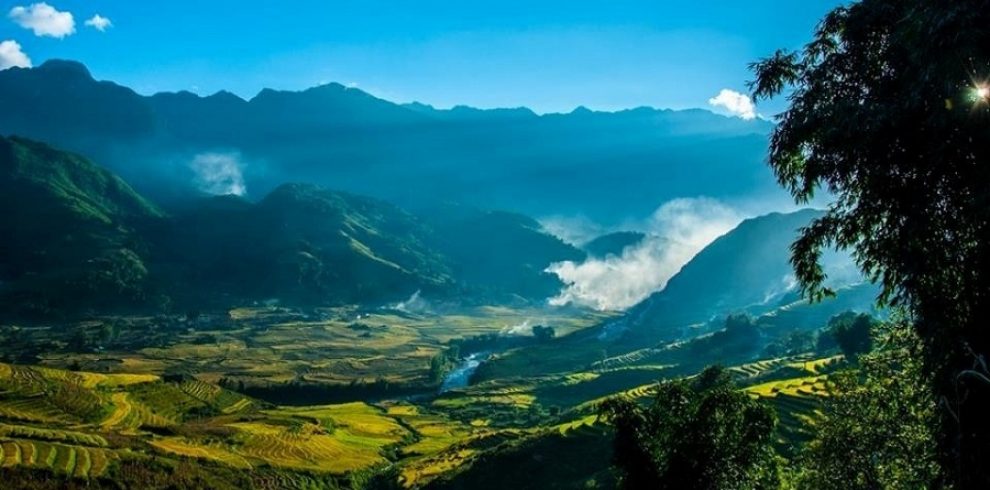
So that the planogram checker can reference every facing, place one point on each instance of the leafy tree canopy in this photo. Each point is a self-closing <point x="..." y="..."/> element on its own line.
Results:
<point x="878" y="425"/>
<point x="888" y="113"/>
<point x="852" y="333"/>
<point x="699" y="433"/>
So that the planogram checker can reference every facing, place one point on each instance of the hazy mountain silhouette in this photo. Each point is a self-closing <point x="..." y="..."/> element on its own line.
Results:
<point x="77" y="236"/>
<point x="747" y="266"/>
<point x="344" y="138"/>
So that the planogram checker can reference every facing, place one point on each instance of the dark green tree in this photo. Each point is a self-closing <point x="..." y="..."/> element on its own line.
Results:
<point x="852" y="333"/>
<point x="701" y="434"/>
<point x="382" y="477"/>
<point x="544" y="334"/>
<point x="795" y="342"/>
<point x="78" y="341"/>
<point x="889" y="113"/>
<point x="878" y="423"/>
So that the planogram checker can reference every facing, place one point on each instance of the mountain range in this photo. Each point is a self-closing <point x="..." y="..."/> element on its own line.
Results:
<point x="605" y="165"/>
<point x="81" y="239"/>
<point x="413" y="186"/>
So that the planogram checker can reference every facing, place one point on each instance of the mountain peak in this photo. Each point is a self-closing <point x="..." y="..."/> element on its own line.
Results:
<point x="226" y="96"/>
<point x="66" y="68"/>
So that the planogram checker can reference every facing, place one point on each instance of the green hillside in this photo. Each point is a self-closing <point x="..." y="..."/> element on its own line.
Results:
<point x="302" y="244"/>
<point x="72" y="232"/>
<point x="500" y="256"/>
<point x="747" y="266"/>
<point x="82" y="239"/>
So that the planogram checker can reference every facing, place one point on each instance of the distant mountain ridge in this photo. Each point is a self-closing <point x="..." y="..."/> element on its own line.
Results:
<point x="613" y="243"/>
<point x="77" y="238"/>
<point x="747" y="269"/>
<point x="347" y="139"/>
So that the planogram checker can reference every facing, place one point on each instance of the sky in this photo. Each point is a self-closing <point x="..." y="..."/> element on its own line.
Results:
<point x="550" y="56"/>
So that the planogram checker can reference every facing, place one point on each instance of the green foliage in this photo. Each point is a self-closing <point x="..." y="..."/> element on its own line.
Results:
<point x="852" y="333"/>
<point x="739" y="339"/>
<point x="70" y="233"/>
<point x="329" y="248"/>
<point x="878" y="425"/>
<point x="793" y="343"/>
<point x="549" y="460"/>
<point x="883" y="116"/>
<point x="377" y="478"/>
<point x="543" y="333"/>
<point x="443" y="362"/>
<point x="699" y="433"/>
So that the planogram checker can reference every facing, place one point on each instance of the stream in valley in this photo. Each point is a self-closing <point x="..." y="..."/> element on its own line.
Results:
<point x="461" y="375"/>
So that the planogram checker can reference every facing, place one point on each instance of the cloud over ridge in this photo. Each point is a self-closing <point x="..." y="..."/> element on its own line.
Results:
<point x="676" y="232"/>
<point x="12" y="55"/>
<point x="737" y="104"/>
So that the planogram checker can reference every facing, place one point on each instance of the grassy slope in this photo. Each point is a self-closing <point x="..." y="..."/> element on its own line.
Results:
<point x="69" y="232"/>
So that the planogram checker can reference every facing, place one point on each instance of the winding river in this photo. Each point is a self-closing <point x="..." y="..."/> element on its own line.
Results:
<point x="460" y="376"/>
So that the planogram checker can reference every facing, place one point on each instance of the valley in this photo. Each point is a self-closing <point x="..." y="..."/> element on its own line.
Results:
<point x="494" y="245"/>
<point x="321" y="339"/>
<point x="181" y="403"/>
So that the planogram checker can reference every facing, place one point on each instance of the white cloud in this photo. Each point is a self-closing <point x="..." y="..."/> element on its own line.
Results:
<point x="677" y="231"/>
<point x="44" y="20"/>
<point x="219" y="173"/>
<point x="11" y="55"/>
<point x="737" y="104"/>
<point x="99" y="23"/>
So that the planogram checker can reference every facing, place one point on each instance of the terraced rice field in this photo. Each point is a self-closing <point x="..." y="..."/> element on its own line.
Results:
<point x="68" y="436"/>
<point x="759" y="368"/>
<point x="128" y="415"/>
<point x="193" y="449"/>
<point x="628" y="359"/>
<point x="308" y="450"/>
<point x="637" y="393"/>
<point x="519" y="400"/>
<point x="201" y="421"/>
<point x="818" y="366"/>
<point x="333" y="438"/>
<point x="806" y="386"/>
<point x="798" y="404"/>
<point x="422" y="470"/>
<point x="568" y="427"/>
<point x="78" y="461"/>
<point x="226" y="401"/>
<point x="433" y="432"/>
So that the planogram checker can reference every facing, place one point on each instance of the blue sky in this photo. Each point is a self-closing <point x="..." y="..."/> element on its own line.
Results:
<point x="547" y="55"/>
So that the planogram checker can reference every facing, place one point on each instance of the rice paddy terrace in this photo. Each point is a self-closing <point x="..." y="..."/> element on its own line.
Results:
<point x="265" y="346"/>
<point x="180" y="402"/>
<point x="80" y="424"/>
